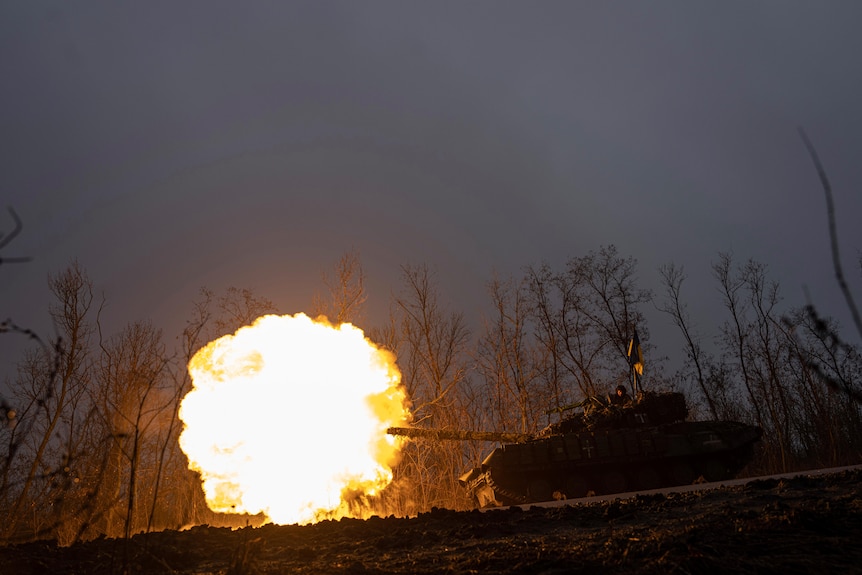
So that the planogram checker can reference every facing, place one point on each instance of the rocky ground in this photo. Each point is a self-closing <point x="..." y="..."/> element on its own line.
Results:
<point x="805" y="524"/>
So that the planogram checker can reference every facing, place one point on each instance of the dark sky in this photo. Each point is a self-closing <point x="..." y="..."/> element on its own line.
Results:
<point x="173" y="145"/>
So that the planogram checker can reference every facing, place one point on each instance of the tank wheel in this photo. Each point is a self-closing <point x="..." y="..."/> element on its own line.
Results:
<point x="681" y="474"/>
<point x="576" y="486"/>
<point x="647" y="478"/>
<point x="715" y="470"/>
<point x="540" y="490"/>
<point x="612" y="482"/>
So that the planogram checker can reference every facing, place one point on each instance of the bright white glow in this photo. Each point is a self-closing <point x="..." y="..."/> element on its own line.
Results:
<point x="288" y="415"/>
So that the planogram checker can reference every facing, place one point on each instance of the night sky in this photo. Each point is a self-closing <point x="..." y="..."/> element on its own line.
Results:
<point x="174" y="145"/>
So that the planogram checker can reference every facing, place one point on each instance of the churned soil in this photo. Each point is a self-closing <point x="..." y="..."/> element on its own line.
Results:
<point x="804" y="524"/>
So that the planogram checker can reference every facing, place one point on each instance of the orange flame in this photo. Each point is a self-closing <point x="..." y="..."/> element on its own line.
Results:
<point x="288" y="416"/>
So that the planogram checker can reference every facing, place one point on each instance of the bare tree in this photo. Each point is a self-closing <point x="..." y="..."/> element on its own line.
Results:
<point x="548" y="309"/>
<point x="510" y="363"/>
<point x="347" y="297"/>
<point x="432" y="343"/>
<point x="735" y="331"/>
<point x="46" y="354"/>
<point x="185" y="487"/>
<point x="672" y="279"/>
<point x="132" y="397"/>
<point x="613" y="298"/>
<point x="768" y="350"/>
<point x="52" y="396"/>
<point x="96" y="436"/>
<point x="826" y="422"/>
<point x="432" y="354"/>
<point x="781" y="359"/>
<point x="238" y="307"/>
<point x="585" y="316"/>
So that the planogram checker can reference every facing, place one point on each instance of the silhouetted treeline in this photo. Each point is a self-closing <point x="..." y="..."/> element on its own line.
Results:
<point x="90" y="435"/>
<point x="89" y="443"/>
<point x="555" y="337"/>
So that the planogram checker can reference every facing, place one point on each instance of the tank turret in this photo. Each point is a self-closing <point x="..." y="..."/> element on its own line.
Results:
<point x="644" y="444"/>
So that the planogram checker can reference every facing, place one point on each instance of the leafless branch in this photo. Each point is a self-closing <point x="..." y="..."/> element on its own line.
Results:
<point x="833" y="234"/>
<point x="6" y="240"/>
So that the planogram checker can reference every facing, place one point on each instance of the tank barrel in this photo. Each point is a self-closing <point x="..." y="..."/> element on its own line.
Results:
<point x="459" y="435"/>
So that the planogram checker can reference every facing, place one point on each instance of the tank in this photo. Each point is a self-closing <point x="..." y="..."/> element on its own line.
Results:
<point x="605" y="449"/>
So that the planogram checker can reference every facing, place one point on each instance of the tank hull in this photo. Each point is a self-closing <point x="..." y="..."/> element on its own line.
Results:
<point x="577" y="464"/>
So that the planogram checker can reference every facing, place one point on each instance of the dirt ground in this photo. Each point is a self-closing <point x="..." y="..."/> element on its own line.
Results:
<point x="805" y="524"/>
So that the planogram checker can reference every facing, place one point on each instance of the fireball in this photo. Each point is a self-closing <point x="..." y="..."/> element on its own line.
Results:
<point x="288" y="417"/>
